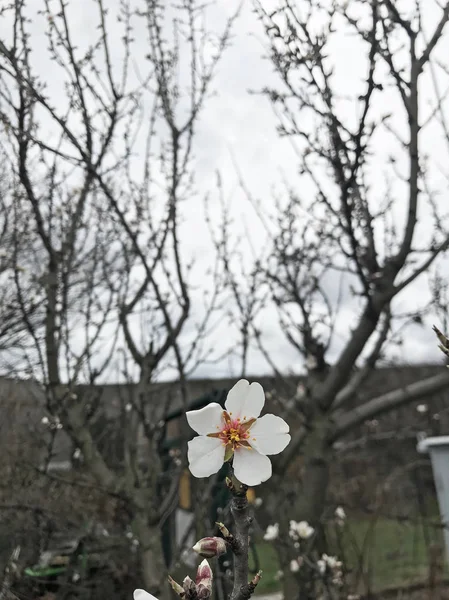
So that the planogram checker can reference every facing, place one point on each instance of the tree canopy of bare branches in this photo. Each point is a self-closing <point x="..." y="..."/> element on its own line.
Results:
<point x="362" y="226"/>
<point x="98" y="148"/>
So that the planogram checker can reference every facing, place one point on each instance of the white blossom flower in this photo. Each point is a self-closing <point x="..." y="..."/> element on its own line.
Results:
<point x="321" y="566"/>
<point x="77" y="453"/>
<point x="128" y="407"/>
<point x="258" y="502"/>
<point x="272" y="532"/>
<point x="340" y="513"/>
<point x="305" y="530"/>
<point x="236" y="432"/>
<point x="294" y="566"/>
<point x="143" y="595"/>
<point x="422" y="408"/>
<point x="331" y="561"/>
<point x="292" y="531"/>
<point x="45" y="420"/>
<point x="300" y="530"/>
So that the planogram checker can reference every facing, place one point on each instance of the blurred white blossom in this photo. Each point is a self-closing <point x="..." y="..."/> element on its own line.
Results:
<point x="301" y="530"/>
<point x="279" y="575"/>
<point x="300" y="390"/>
<point x="331" y="561"/>
<point x="294" y="566"/>
<point x="272" y="532"/>
<point x="340" y="513"/>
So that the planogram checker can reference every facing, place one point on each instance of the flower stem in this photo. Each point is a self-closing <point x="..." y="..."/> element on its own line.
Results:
<point x="242" y="590"/>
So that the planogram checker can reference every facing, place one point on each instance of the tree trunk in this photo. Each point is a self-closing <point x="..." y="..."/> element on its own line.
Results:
<point x="303" y="502"/>
<point x="154" y="575"/>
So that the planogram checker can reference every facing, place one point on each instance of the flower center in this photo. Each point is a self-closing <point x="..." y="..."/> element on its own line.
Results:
<point x="234" y="433"/>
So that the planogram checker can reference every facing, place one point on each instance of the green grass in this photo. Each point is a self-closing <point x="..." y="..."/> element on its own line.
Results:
<point x="268" y="563"/>
<point x="392" y="553"/>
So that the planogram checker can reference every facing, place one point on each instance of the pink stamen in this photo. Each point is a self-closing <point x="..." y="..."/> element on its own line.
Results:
<point x="234" y="432"/>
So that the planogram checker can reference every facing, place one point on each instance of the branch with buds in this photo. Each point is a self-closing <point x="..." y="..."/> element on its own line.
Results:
<point x="235" y="434"/>
<point x="215" y="546"/>
<point x="200" y="589"/>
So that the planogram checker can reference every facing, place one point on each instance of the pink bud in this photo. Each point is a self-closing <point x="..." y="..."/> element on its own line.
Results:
<point x="204" y="581"/>
<point x="210" y="546"/>
<point x="188" y="585"/>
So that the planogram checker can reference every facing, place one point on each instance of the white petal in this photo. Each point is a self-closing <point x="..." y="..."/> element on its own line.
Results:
<point x="272" y="532"/>
<point x="245" y="400"/>
<point x="143" y="595"/>
<point x="250" y="467"/>
<point x="271" y="435"/>
<point x="206" y="419"/>
<point x="206" y="455"/>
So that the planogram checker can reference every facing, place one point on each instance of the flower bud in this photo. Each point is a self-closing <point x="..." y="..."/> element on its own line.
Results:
<point x="188" y="585"/>
<point x="204" y="581"/>
<point x="210" y="546"/>
<point x="176" y="587"/>
<point x="223" y="529"/>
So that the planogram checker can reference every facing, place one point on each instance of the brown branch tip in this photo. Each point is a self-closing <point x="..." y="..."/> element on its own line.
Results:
<point x="444" y="345"/>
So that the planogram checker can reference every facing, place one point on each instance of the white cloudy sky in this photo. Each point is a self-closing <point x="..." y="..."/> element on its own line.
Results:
<point x="247" y="134"/>
<point x="237" y="126"/>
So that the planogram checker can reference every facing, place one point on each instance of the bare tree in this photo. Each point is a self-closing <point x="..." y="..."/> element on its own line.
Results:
<point x="102" y="167"/>
<point x="362" y="226"/>
<point x="12" y="337"/>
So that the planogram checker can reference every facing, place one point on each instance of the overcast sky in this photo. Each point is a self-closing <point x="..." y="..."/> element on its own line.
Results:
<point x="247" y="133"/>
<point x="237" y="126"/>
